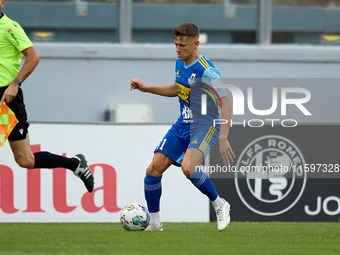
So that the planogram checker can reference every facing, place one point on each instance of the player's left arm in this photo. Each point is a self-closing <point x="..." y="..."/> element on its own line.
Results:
<point x="224" y="145"/>
<point x="212" y="76"/>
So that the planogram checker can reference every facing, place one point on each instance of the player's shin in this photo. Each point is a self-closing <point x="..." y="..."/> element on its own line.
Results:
<point x="153" y="192"/>
<point x="202" y="181"/>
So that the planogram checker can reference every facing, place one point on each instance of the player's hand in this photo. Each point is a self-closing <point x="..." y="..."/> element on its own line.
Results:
<point x="10" y="93"/>
<point x="138" y="84"/>
<point x="226" y="151"/>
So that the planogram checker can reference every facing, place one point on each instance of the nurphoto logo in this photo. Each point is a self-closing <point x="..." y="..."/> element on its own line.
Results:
<point x="279" y="101"/>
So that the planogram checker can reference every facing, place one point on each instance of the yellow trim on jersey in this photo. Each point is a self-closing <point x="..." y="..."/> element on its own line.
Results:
<point x="203" y="146"/>
<point x="183" y="92"/>
<point x="204" y="63"/>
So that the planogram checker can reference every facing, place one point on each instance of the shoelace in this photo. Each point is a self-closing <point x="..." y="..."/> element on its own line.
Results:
<point x="219" y="213"/>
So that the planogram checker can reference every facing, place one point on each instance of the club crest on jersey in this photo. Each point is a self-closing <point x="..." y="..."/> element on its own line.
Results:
<point x="191" y="80"/>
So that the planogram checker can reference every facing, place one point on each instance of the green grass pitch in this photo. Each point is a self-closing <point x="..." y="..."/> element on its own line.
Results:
<point x="177" y="238"/>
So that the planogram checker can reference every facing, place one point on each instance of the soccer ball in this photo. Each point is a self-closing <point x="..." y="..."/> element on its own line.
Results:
<point x="134" y="217"/>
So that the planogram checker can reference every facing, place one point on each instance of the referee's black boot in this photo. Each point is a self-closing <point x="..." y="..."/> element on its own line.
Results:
<point x="84" y="172"/>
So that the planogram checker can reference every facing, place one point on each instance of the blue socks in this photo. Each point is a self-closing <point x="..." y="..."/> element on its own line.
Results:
<point x="153" y="192"/>
<point x="202" y="181"/>
<point x="153" y="189"/>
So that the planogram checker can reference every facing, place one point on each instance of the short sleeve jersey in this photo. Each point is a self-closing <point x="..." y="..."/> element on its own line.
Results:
<point x="13" y="40"/>
<point x="193" y="81"/>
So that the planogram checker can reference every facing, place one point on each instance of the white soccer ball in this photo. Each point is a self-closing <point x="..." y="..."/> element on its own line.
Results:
<point x="134" y="217"/>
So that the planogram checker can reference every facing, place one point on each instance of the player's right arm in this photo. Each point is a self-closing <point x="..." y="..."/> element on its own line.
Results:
<point x="166" y="90"/>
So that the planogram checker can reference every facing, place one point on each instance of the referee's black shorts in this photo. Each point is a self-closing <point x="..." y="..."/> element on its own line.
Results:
<point x="19" y="109"/>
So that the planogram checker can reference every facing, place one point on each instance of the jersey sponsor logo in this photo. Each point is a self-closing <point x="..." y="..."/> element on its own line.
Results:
<point x="216" y="82"/>
<point x="195" y="141"/>
<point x="177" y="74"/>
<point x="191" y="80"/>
<point x="14" y="38"/>
<point x="186" y="112"/>
<point x="183" y="92"/>
<point x="271" y="179"/>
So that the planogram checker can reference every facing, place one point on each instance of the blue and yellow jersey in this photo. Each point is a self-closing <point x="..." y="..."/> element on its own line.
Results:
<point x="193" y="81"/>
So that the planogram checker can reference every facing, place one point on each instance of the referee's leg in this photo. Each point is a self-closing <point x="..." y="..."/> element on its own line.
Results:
<point x="22" y="153"/>
<point x="27" y="159"/>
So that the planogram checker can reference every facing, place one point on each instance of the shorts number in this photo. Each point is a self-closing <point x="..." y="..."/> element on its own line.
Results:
<point x="161" y="145"/>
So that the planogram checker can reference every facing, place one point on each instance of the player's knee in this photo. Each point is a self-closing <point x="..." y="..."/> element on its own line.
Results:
<point x="186" y="169"/>
<point x="152" y="170"/>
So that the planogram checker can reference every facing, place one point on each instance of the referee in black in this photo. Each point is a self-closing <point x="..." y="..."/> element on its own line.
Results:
<point x="13" y="43"/>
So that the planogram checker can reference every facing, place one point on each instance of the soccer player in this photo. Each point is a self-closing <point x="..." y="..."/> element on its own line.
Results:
<point x="13" y="43"/>
<point x="191" y="138"/>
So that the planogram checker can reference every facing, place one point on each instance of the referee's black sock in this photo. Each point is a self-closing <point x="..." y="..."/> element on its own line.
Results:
<point x="44" y="159"/>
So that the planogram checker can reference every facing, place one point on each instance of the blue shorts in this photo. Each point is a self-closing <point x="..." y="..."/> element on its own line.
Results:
<point x="176" y="142"/>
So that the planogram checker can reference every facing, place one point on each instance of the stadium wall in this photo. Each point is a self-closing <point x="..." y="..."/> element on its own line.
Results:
<point x="82" y="82"/>
<point x="60" y="22"/>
